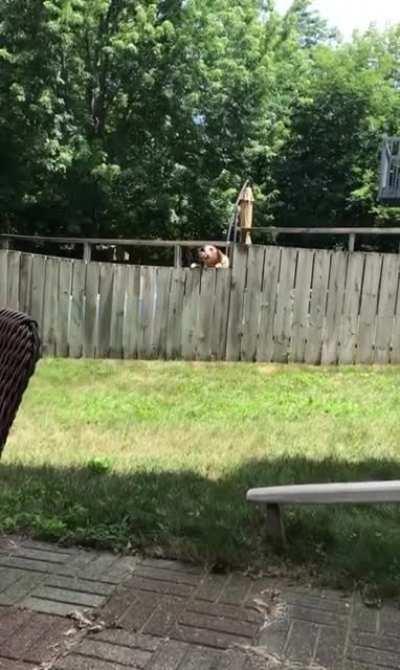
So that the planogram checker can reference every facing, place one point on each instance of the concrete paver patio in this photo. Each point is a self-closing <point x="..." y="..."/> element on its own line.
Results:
<point x="70" y="609"/>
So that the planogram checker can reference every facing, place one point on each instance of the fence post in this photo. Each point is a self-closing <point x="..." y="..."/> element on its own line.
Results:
<point x="178" y="256"/>
<point x="246" y="214"/>
<point x="352" y="240"/>
<point x="87" y="252"/>
<point x="5" y="243"/>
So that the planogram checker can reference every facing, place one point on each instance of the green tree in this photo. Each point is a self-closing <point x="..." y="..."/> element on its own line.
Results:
<point x="328" y="169"/>
<point x="143" y="117"/>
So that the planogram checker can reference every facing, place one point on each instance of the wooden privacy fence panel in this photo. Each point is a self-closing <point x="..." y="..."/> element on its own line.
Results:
<point x="275" y="304"/>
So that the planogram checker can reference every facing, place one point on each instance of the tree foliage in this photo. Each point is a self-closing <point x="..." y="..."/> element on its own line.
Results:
<point x="143" y="117"/>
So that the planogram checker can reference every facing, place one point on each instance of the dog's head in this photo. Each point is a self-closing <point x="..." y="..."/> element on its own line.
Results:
<point x="209" y="255"/>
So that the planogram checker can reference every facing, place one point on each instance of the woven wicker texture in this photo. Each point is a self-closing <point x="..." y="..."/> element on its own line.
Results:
<point x="19" y="353"/>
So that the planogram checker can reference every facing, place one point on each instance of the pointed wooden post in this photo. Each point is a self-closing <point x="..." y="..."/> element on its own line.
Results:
<point x="177" y="256"/>
<point x="246" y="215"/>
<point x="87" y="252"/>
<point x="352" y="241"/>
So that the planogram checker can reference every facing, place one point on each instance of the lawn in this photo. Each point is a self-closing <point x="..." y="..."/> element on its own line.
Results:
<point x="158" y="456"/>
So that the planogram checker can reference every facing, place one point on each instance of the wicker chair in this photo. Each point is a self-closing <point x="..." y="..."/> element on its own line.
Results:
<point x="19" y="353"/>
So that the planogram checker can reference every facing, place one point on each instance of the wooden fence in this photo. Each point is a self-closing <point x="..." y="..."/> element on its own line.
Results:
<point x="276" y="304"/>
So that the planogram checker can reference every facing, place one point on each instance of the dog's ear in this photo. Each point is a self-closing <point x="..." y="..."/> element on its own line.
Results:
<point x="220" y="255"/>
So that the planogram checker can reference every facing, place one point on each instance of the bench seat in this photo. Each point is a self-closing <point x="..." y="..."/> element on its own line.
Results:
<point x="328" y="494"/>
<point x="348" y="493"/>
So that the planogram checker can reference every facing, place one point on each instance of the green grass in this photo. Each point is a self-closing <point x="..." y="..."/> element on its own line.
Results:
<point x="158" y="457"/>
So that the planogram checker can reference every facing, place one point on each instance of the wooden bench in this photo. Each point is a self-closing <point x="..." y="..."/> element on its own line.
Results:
<point x="354" y="493"/>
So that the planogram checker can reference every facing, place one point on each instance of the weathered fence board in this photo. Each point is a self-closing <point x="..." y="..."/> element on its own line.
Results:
<point x="176" y="301"/>
<point x="37" y="293"/>
<point x="50" y="306"/>
<point x="386" y="308"/>
<point x="76" y="327"/>
<point x="64" y="303"/>
<point x="190" y="315"/>
<point x="206" y="309"/>
<point x="105" y="310"/>
<point x="25" y="281"/>
<point x="394" y="354"/>
<point x="275" y="304"/>
<point x="118" y="310"/>
<point x="334" y="308"/>
<point x="90" y="302"/>
<point x="305" y="260"/>
<point x="235" y="317"/>
<point x="351" y="306"/>
<point x="317" y="307"/>
<point x="13" y="279"/>
<point x="159" y="331"/>
<point x="132" y="321"/>
<point x="284" y="307"/>
<point x="220" y="315"/>
<point x="368" y="309"/>
<point x="268" y="304"/>
<point x="252" y="301"/>
<point x="3" y="279"/>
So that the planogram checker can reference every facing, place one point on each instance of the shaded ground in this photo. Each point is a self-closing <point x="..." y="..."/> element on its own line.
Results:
<point x="69" y="609"/>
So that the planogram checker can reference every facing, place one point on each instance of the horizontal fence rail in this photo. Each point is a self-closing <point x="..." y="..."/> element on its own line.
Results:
<point x="88" y="244"/>
<point x="275" y="304"/>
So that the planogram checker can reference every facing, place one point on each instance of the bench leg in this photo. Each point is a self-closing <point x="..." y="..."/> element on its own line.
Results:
<point x="275" y="526"/>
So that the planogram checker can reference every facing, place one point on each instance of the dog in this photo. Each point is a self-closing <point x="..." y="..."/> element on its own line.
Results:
<point x="211" y="257"/>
